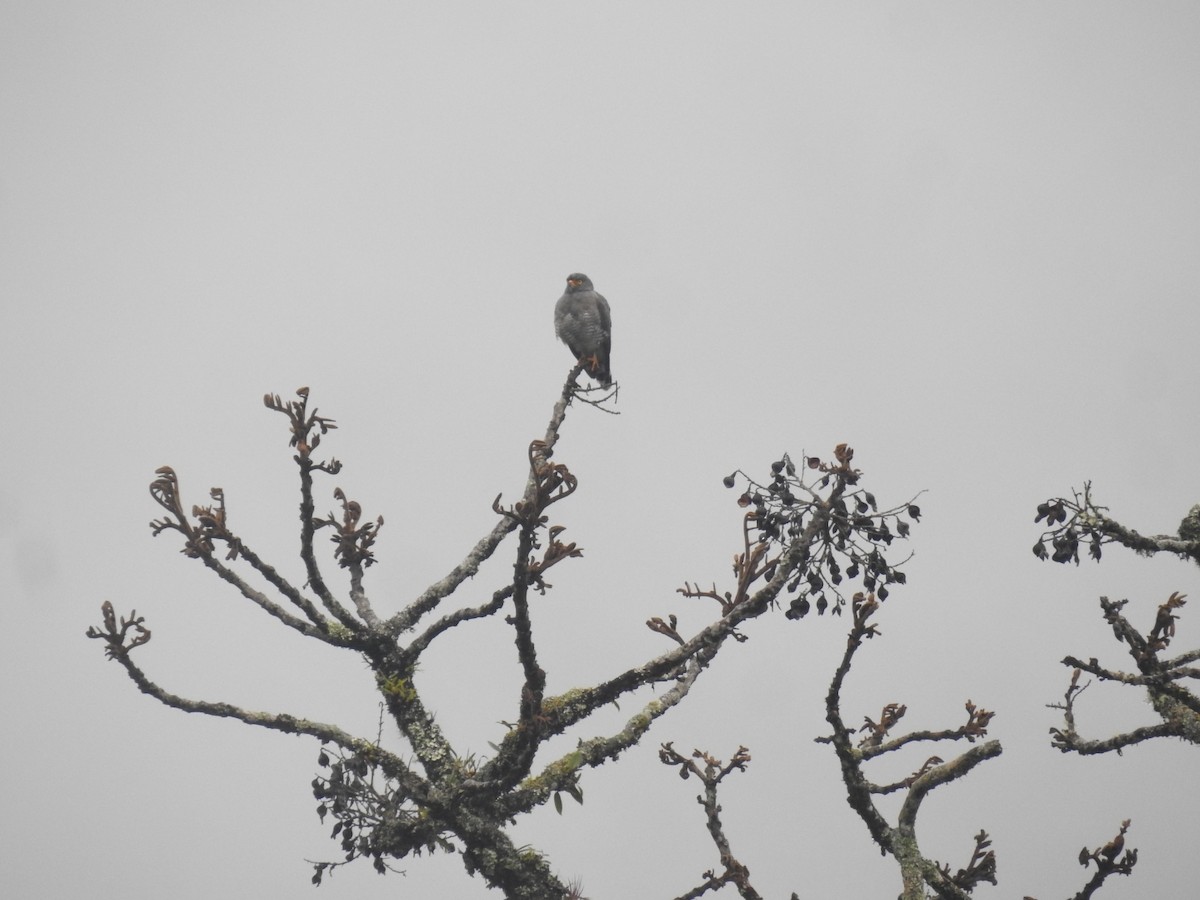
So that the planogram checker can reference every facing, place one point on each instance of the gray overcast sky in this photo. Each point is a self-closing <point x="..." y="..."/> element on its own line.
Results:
<point x="961" y="237"/>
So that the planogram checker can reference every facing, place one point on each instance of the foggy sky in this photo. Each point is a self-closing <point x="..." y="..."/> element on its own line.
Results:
<point x="960" y="237"/>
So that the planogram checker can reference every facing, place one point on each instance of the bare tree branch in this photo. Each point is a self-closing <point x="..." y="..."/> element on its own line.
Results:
<point x="808" y="533"/>
<point x="711" y="775"/>
<point x="917" y="871"/>
<point x="307" y="429"/>
<point x="1174" y="702"/>
<point x="485" y="546"/>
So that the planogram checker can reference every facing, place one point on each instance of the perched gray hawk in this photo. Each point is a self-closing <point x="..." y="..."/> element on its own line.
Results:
<point x="582" y="322"/>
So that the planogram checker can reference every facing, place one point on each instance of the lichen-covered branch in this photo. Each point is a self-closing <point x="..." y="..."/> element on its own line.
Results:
<point x="1071" y="522"/>
<point x="550" y="482"/>
<point x="208" y="525"/>
<point x="877" y="743"/>
<point x="486" y="545"/>
<point x="114" y="633"/>
<point x="384" y="809"/>
<point x="810" y="533"/>
<point x="563" y="774"/>
<point x="1163" y="680"/>
<point x="307" y="429"/>
<point x="1077" y="520"/>
<point x="710" y="775"/>
<point x="918" y="872"/>
<point x="417" y="645"/>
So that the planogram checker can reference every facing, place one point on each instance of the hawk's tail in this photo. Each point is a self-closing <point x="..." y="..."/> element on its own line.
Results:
<point x="601" y="372"/>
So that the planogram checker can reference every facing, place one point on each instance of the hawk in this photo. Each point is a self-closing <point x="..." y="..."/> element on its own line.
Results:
<point x="582" y="322"/>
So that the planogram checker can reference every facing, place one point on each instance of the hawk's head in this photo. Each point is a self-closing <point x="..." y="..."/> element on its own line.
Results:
<point x="578" y="282"/>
